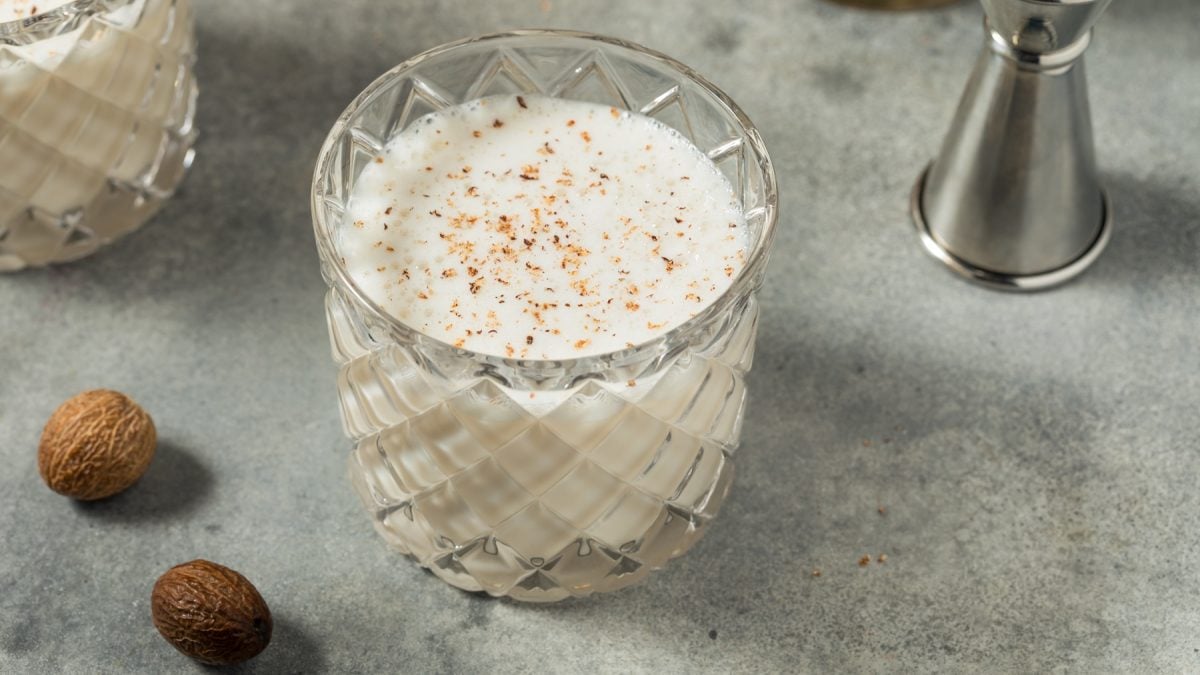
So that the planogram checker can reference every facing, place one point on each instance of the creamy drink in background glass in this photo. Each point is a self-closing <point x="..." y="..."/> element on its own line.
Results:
<point x="543" y="306"/>
<point x="97" y="99"/>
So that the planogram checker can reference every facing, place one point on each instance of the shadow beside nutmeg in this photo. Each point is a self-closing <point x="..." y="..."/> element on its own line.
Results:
<point x="175" y="485"/>
<point x="291" y="650"/>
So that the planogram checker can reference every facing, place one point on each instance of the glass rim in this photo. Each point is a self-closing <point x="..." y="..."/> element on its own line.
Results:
<point x="55" y="21"/>
<point x="742" y="285"/>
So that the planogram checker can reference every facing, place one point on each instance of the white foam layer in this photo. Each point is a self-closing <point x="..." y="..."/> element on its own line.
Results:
<point x="11" y="10"/>
<point x="541" y="228"/>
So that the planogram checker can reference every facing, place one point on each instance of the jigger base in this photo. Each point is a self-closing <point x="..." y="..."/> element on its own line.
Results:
<point x="1000" y="280"/>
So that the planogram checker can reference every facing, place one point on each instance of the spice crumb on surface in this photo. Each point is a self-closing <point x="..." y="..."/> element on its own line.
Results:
<point x="864" y="561"/>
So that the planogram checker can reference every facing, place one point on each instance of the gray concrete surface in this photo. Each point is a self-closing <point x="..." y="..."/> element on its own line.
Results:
<point x="1036" y="457"/>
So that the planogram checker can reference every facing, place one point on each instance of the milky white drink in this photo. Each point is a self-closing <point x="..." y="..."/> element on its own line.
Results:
<point x="95" y="121"/>
<point x="543" y="229"/>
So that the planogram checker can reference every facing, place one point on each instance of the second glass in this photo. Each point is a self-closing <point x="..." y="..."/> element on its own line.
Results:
<point x="543" y="479"/>
<point x="97" y="99"/>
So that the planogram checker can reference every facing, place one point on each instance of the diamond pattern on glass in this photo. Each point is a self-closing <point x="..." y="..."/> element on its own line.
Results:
<point x="496" y="494"/>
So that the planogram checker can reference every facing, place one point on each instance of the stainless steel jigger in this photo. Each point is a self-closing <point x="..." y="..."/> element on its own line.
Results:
<point x="1013" y="200"/>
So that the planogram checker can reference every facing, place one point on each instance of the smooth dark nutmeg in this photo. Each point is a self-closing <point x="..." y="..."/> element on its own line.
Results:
<point x="210" y="613"/>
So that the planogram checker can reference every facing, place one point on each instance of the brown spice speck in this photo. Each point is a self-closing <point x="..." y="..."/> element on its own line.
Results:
<point x="497" y="124"/>
<point x="816" y="572"/>
<point x="864" y="561"/>
<point x="521" y="101"/>
<point x="882" y="558"/>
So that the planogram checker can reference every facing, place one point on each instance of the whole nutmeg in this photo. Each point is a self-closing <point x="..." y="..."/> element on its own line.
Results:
<point x="210" y="613"/>
<point x="95" y="445"/>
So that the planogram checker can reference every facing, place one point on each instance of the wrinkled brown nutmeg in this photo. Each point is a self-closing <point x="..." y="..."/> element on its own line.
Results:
<point x="210" y="613"/>
<point x="95" y="445"/>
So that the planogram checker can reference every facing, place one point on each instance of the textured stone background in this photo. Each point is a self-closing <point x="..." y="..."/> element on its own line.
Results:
<point x="1036" y="455"/>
